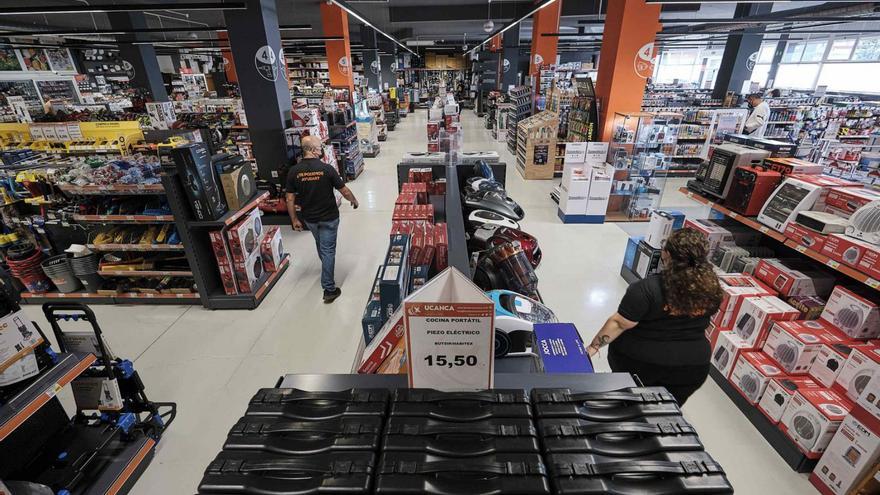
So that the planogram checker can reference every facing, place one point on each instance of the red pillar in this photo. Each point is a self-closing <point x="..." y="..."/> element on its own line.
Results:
<point x="335" y="22"/>
<point x="228" y="61"/>
<point x="543" y="52"/>
<point x="626" y="60"/>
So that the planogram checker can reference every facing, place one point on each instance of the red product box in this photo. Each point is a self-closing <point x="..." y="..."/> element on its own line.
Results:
<point x="441" y="243"/>
<point x="714" y="233"/>
<point x="852" y="314"/>
<point x="728" y="346"/>
<point x="812" y="417"/>
<point x="383" y="343"/>
<point x="406" y="198"/>
<point x="849" y="251"/>
<point x="272" y="249"/>
<point x="826" y="182"/>
<point x="788" y="166"/>
<point x="779" y="392"/>
<point x="439" y="187"/>
<point x="791" y="280"/>
<point x="869" y="263"/>
<point x="751" y="374"/>
<point x="224" y="262"/>
<point x="804" y="236"/>
<point x="755" y="316"/>
<point x="419" y="189"/>
<point x="712" y="335"/>
<point x="735" y="288"/>
<point x="860" y="369"/>
<point x="847" y="200"/>
<point x="795" y="344"/>
<point x="809" y="306"/>
<point x="428" y="250"/>
<point x="433" y="131"/>
<point x="417" y="244"/>
<point x="419" y="175"/>
<point x="433" y="146"/>
<point x="245" y="237"/>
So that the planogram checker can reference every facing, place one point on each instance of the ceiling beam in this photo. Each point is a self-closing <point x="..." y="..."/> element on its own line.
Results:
<point x="97" y="9"/>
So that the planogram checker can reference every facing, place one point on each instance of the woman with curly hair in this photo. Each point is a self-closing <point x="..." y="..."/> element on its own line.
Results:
<point x="658" y="332"/>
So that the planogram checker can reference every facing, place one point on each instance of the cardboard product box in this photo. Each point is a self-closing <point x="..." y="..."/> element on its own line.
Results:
<point x="715" y="234"/>
<point x="788" y="166"/>
<point x="735" y="288"/>
<point x="850" y="251"/>
<point x="18" y="337"/>
<point x="660" y="226"/>
<point x="19" y="370"/>
<point x="419" y="189"/>
<point x="372" y="320"/>
<point x="779" y="392"/>
<point x="647" y="260"/>
<point x="441" y="243"/>
<point x="433" y="128"/>
<point x="392" y="332"/>
<point x="751" y="374"/>
<point x="417" y="244"/>
<point x="869" y="263"/>
<point x="395" y="363"/>
<point x="830" y="360"/>
<point x="712" y="332"/>
<point x="859" y="370"/>
<point x="395" y="274"/>
<point x="272" y="249"/>
<point x="248" y="273"/>
<point x="418" y="277"/>
<point x="202" y="186"/>
<point x="629" y="255"/>
<point x="755" y="316"/>
<point x="430" y="247"/>
<point x="561" y="348"/>
<point x="742" y="235"/>
<point x="726" y="351"/>
<point x="805" y="237"/>
<point x="245" y="238"/>
<point x="852" y="314"/>
<point x="810" y="306"/>
<point x="847" y="200"/>
<point x="305" y="117"/>
<point x="812" y="417"/>
<point x="406" y="198"/>
<point x="433" y="146"/>
<point x="239" y="184"/>
<point x="795" y="344"/>
<point x="424" y="174"/>
<point x="224" y="262"/>
<point x="852" y="453"/>
<point x="794" y="279"/>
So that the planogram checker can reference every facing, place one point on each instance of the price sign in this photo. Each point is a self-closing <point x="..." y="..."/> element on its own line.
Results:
<point x="832" y="264"/>
<point x="870" y="282"/>
<point x="763" y="230"/>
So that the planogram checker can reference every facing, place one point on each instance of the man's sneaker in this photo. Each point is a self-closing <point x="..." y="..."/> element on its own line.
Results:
<point x="330" y="296"/>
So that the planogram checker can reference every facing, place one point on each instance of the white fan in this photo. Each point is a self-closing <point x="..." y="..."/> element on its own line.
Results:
<point x="786" y="355"/>
<point x="864" y="224"/>
<point x="805" y="426"/>
<point x="750" y="384"/>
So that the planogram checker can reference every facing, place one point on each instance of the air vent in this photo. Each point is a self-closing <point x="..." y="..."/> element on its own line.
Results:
<point x="849" y="319"/>
<point x="749" y="384"/>
<point x="865" y="223"/>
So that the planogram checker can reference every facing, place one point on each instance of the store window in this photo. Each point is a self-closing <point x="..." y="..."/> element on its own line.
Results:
<point x="867" y="49"/>
<point x="858" y="78"/>
<point x="765" y="54"/>
<point x="841" y="49"/>
<point x="793" y="52"/>
<point x="759" y="74"/>
<point x="796" y="76"/>
<point x="813" y="51"/>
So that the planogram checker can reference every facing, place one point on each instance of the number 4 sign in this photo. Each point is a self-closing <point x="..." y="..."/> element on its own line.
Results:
<point x="450" y="334"/>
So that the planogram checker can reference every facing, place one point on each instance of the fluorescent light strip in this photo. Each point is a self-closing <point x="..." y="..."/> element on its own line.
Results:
<point x="514" y="23"/>
<point x="368" y="23"/>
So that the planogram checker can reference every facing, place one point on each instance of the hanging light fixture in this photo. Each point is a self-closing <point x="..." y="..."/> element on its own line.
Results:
<point x="488" y="26"/>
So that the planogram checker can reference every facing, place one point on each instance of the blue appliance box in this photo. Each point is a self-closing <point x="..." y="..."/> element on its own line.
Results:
<point x="561" y="348"/>
<point x="632" y="247"/>
<point x="395" y="274"/>
<point x="677" y="219"/>
<point x="418" y="277"/>
<point x="372" y="320"/>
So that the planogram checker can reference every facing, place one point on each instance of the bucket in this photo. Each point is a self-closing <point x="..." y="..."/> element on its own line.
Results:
<point x="24" y="264"/>
<point x="58" y="269"/>
<point x="86" y="270"/>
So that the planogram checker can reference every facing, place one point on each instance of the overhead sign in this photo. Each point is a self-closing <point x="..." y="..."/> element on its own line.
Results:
<point x="644" y="60"/>
<point x="266" y="63"/>
<point x="751" y="61"/>
<point x="344" y="66"/>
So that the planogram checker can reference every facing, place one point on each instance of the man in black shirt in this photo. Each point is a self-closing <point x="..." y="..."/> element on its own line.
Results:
<point x="311" y="183"/>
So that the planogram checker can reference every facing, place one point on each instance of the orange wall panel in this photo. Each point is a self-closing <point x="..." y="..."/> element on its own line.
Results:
<point x="339" y="65"/>
<point x="545" y="20"/>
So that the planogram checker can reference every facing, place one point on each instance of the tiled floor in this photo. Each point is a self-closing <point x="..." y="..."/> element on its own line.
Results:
<point x="211" y="362"/>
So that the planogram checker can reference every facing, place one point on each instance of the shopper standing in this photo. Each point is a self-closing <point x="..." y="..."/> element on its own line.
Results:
<point x="658" y="332"/>
<point x="310" y="183"/>
<point x="759" y="114"/>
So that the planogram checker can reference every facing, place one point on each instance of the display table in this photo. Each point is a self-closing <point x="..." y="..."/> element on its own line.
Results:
<point x="595" y="382"/>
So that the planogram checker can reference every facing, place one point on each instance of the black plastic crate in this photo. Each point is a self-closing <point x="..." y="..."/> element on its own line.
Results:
<point x="640" y="436"/>
<point x="283" y="436"/>
<point x="299" y="404"/>
<point x="461" y="406"/>
<point x="618" y="405"/>
<point x="456" y="439"/>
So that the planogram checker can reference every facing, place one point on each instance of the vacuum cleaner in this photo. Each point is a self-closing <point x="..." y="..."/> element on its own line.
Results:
<point x="515" y="316"/>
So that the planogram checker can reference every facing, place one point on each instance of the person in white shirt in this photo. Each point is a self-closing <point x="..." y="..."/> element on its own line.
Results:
<point x="759" y="114"/>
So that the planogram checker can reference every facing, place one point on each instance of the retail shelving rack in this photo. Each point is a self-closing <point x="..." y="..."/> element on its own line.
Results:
<point x="521" y="98"/>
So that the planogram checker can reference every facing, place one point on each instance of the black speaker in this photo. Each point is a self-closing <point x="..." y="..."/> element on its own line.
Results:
<point x="200" y="181"/>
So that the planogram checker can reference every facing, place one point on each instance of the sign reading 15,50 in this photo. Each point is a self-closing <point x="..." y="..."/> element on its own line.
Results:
<point x="450" y="361"/>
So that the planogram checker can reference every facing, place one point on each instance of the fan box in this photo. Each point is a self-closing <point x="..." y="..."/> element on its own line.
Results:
<point x="791" y="279"/>
<point x="853" y="252"/>
<point x="272" y="249"/>
<point x="830" y="360"/>
<point x="756" y="314"/>
<point x="846" y="200"/>
<point x="852" y="314"/>
<point x="751" y="374"/>
<point x="395" y="274"/>
<point x="735" y="288"/>
<point x="805" y="237"/>
<point x="859" y="370"/>
<point x="851" y="454"/>
<point x="726" y="351"/>
<point x="812" y="417"/>
<point x="715" y="234"/>
<point x="779" y="392"/>
<point x="795" y="344"/>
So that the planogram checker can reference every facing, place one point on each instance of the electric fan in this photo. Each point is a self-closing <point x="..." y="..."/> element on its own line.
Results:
<point x="864" y="224"/>
<point x="848" y="320"/>
<point x="786" y="355"/>
<point x="805" y="426"/>
<point x="745" y="326"/>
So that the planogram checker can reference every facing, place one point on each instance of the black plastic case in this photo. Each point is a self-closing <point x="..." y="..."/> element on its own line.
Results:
<point x="310" y="406"/>
<point x="405" y="473"/>
<point x="671" y="473"/>
<point x="283" y="436"/>
<point x="461" y="406"/>
<point x="266" y="474"/>
<point x="639" y="436"/>
<point x="456" y="439"/>
<point x="617" y="405"/>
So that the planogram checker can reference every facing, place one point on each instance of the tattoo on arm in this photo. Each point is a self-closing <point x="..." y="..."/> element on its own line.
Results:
<point x="604" y="340"/>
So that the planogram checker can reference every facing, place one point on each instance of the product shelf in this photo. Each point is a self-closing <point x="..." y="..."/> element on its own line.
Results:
<point x="230" y="217"/>
<point x="249" y="301"/>
<point x="144" y="273"/>
<point x="124" y="218"/>
<point x="26" y="403"/>
<point x="113" y="189"/>
<point x="136" y="247"/>
<point x="118" y="298"/>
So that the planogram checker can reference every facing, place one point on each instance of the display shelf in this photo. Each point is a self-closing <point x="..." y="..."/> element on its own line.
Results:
<point x="144" y="273"/>
<point x="126" y="467"/>
<point x="249" y="301"/>
<point x="120" y="298"/>
<point x="112" y="189"/>
<point x="230" y="217"/>
<point x="27" y="402"/>
<point x="771" y="432"/>
<point x="124" y="218"/>
<point x="136" y="247"/>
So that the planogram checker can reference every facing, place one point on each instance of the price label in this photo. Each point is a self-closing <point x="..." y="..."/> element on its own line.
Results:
<point x="102" y="217"/>
<point x="53" y="390"/>
<point x="733" y="214"/>
<point x="870" y="282"/>
<point x="800" y="248"/>
<point x="129" y="217"/>
<point x="832" y="264"/>
<point x="763" y="229"/>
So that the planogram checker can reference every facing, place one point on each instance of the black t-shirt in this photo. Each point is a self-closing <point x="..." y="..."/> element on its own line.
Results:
<point x="313" y="182"/>
<point x="659" y="337"/>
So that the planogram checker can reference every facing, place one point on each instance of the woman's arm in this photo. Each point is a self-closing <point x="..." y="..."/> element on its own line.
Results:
<point x="613" y="327"/>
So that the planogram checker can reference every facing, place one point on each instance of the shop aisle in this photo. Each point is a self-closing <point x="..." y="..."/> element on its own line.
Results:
<point x="211" y="362"/>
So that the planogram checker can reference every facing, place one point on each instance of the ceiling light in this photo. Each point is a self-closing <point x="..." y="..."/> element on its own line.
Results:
<point x="510" y="25"/>
<point x="488" y="26"/>
<point x="98" y="9"/>
<point x="357" y="16"/>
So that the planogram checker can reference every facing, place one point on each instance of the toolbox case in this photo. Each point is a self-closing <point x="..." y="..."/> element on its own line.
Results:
<point x="249" y="472"/>
<point x="639" y="436"/>
<point x="455" y="439"/>
<point x="401" y="473"/>
<point x="461" y="406"/>
<point x="670" y="473"/>
<point x="298" y="404"/>
<point x="283" y="436"/>
<point x="618" y="405"/>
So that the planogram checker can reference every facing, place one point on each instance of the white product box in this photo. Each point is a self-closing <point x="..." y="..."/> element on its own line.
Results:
<point x="795" y="344"/>
<point x="869" y="400"/>
<point x="846" y="200"/>
<point x="715" y="234"/>
<point x="751" y="374"/>
<point x="812" y="417"/>
<point x="779" y="392"/>
<point x="18" y="337"/>
<point x="659" y="228"/>
<point x="735" y="289"/>
<point x="860" y="368"/>
<point x="830" y="360"/>
<point x="853" y="450"/>
<point x="789" y="281"/>
<point x="726" y="351"/>
<point x="756" y="314"/>
<point x="852" y="314"/>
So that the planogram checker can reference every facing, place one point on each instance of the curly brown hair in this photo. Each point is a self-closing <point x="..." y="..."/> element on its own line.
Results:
<point x="690" y="285"/>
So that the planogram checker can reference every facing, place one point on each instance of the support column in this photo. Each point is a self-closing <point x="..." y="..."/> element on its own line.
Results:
<point x="335" y="22"/>
<point x="144" y="71"/>
<point x="777" y="58"/>
<point x="228" y="60"/>
<point x="509" y="56"/>
<point x="543" y="52"/>
<point x="256" y="47"/>
<point x="389" y="74"/>
<point x="370" y="56"/>
<point x="740" y="52"/>
<point x="626" y="60"/>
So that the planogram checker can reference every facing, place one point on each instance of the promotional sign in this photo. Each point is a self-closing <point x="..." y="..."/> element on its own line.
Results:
<point x="644" y="60"/>
<point x="266" y="63"/>
<point x="450" y="334"/>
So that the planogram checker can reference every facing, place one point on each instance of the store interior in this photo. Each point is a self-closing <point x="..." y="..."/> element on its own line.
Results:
<point x="519" y="168"/>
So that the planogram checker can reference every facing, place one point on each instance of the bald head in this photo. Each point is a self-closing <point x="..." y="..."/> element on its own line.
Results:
<point x="311" y="146"/>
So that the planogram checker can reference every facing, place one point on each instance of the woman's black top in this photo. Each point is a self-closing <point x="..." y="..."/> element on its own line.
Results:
<point x="659" y="337"/>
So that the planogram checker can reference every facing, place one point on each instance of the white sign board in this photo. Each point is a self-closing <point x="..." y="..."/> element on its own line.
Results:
<point x="575" y="153"/>
<point x="450" y="334"/>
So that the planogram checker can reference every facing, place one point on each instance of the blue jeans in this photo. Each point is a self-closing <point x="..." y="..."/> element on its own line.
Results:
<point x="325" y="241"/>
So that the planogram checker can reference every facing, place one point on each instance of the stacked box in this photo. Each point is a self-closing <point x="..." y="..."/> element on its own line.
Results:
<point x="395" y="274"/>
<point x="245" y="238"/>
<point x="373" y="317"/>
<point x="224" y="262"/>
<point x="441" y="247"/>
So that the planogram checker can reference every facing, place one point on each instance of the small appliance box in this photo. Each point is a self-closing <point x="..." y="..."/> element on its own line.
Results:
<point x="853" y="451"/>
<point x="238" y="183"/>
<point x="791" y="280"/>
<point x="371" y="321"/>
<point x="715" y="234"/>
<point x="726" y="351"/>
<point x="735" y="288"/>
<point x="18" y="337"/>
<point x="812" y="417"/>
<point x="805" y="237"/>
<point x="647" y="260"/>
<point x="430" y="248"/>
<point x="272" y="249"/>
<point x="795" y="344"/>
<point x="418" y="277"/>
<point x="712" y="333"/>
<point x="869" y="263"/>
<point x="441" y="247"/>
<point x="751" y="374"/>
<point x="788" y="166"/>
<point x="830" y="360"/>
<point x="756" y="314"/>
<point x="382" y="345"/>
<point x="852" y="314"/>
<point x="660" y="227"/>
<point x="200" y="181"/>
<point x="853" y="252"/>
<point x="224" y="262"/>
<point x="629" y="256"/>
<point x="862" y="364"/>
<point x="810" y="306"/>
<point x="395" y="275"/>
<point x="561" y="348"/>
<point x="846" y="200"/>
<point x="245" y="238"/>
<point x="779" y="392"/>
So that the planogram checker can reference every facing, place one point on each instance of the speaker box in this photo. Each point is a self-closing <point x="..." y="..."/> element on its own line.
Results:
<point x="200" y="181"/>
<point x="239" y="185"/>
